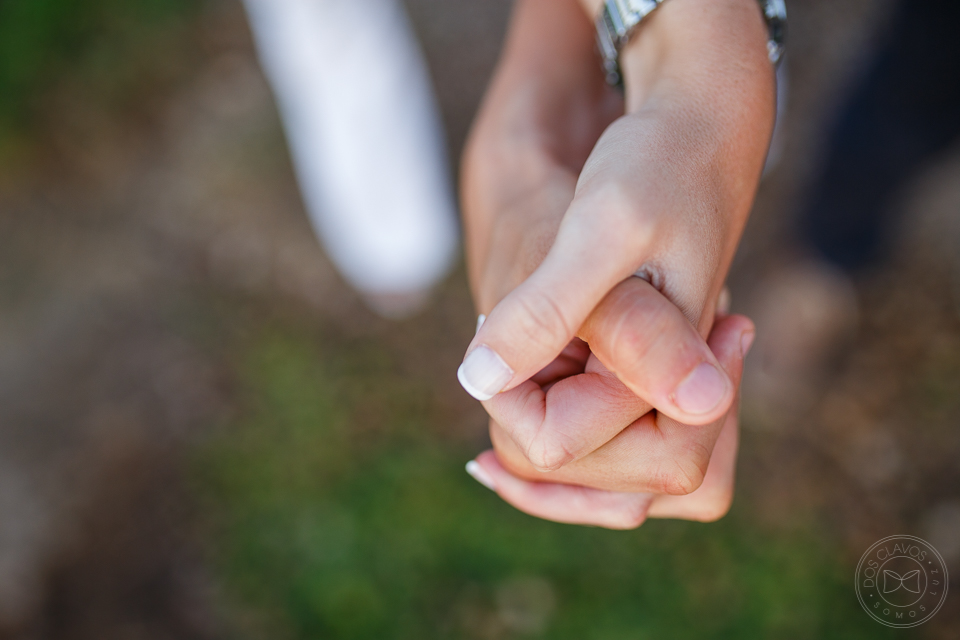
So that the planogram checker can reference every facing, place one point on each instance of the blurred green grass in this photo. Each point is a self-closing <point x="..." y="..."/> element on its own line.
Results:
<point x="100" y="43"/>
<point x="334" y="510"/>
<point x="337" y="512"/>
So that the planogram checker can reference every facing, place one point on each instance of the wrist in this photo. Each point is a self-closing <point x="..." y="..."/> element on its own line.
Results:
<point x="702" y="67"/>
<point x="705" y="48"/>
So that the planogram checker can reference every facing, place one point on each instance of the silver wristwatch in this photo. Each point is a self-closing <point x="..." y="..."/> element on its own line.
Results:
<point x="619" y="18"/>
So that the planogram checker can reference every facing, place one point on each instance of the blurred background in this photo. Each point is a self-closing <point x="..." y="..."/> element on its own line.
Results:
<point x="204" y="433"/>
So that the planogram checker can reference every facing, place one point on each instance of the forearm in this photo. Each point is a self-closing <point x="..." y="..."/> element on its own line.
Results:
<point x="698" y="71"/>
<point x="699" y="114"/>
<point x="547" y="80"/>
<point x="705" y="61"/>
<point x="700" y="63"/>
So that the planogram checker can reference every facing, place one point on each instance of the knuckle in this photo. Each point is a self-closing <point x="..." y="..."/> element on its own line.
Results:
<point x="631" y="517"/>
<point x="717" y="507"/>
<point x="541" y="320"/>
<point x="641" y="327"/>
<point x="546" y="455"/>
<point x="679" y="477"/>
<point x="551" y="446"/>
<point x="625" y="219"/>
<point x="542" y="444"/>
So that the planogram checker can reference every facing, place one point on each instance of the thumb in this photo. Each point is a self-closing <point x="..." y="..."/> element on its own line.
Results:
<point x="531" y="326"/>
<point x="657" y="353"/>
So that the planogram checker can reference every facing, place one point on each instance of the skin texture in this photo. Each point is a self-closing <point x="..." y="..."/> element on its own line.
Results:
<point x="637" y="467"/>
<point x="569" y="189"/>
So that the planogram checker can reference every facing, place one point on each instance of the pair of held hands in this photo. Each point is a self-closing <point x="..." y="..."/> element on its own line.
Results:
<point x="600" y="228"/>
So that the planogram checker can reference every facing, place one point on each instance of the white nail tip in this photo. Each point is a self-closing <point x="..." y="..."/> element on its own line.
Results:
<point x="476" y="393"/>
<point x="480" y="320"/>
<point x="483" y="373"/>
<point x="479" y="474"/>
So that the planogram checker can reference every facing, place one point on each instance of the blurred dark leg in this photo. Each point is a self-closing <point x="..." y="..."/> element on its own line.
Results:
<point x="904" y="112"/>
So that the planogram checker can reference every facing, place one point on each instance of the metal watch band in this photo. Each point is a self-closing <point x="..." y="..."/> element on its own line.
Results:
<point x="619" y="18"/>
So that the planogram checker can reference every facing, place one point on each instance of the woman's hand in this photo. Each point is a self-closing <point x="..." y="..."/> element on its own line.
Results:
<point x="568" y="190"/>
<point x="564" y="200"/>
<point x="655" y="467"/>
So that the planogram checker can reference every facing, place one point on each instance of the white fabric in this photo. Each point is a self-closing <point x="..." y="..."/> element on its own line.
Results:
<point x="365" y="135"/>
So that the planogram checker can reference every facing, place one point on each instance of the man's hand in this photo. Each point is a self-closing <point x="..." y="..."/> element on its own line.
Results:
<point x="563" y="201"/>
<point x="576" y="406"/>
<point x="568" y="191"/>
<point x="655" y="467"/>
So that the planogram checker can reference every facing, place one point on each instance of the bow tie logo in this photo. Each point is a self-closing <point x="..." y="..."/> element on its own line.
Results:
<point x="901" y="581"/>
<point x="909" y="581"/>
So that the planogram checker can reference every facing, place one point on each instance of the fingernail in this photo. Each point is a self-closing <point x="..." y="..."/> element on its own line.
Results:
<point x="746" y="341"/>
<point x="479" y="474"/>
<point x="702" y="391"/>
<point x="724" y="302"/>
<point x="484" y="374"/>
<point x="480" y="320"/>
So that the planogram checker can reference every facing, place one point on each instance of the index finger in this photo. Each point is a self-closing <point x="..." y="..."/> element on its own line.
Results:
<point x="655" y="453"/>
<point x="535" y="321"/>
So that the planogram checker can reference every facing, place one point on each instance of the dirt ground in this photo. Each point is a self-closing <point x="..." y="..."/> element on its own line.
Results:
<point x="135" y="249"/>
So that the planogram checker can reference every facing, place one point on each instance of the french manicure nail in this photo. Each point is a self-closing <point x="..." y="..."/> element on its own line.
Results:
<point x="702" y="391"/>
<point x="746" y="341"/>
<point x="479" y="474"/>
<point x="480" y="320"/>
<point x="484" y="374"/>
